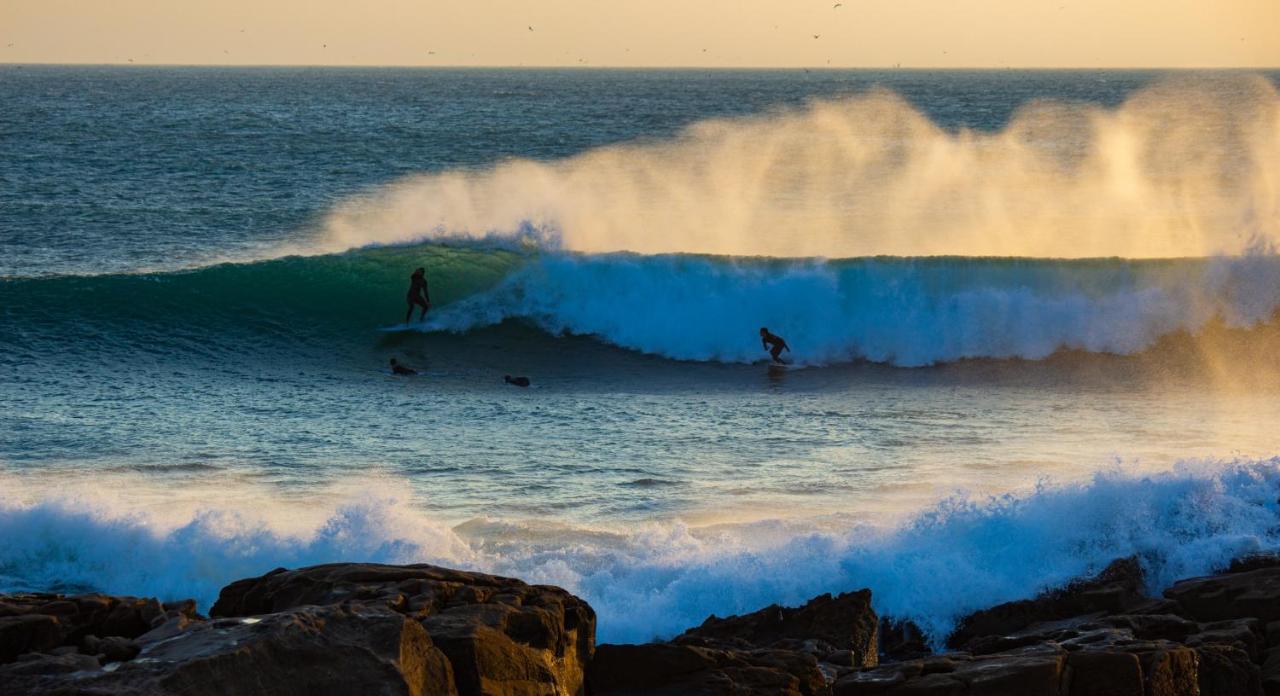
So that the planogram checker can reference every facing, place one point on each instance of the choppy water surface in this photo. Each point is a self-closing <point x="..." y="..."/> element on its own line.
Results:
<point x="198" y="268"/>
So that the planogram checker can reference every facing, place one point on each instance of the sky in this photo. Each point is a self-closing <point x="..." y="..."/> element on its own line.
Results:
<point x="639" y="33"/>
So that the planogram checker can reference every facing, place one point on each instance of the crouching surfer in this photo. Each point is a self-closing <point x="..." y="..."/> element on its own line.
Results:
<point x="418" y="294"/>
<point x="774" y="344"/>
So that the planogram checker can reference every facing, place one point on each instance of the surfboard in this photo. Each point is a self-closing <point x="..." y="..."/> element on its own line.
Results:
<point x="789" y="366"/>
<point x="396" y="328"/>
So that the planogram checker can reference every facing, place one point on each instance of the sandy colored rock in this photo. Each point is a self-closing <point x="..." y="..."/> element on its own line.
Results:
<point x="501" y="635"/>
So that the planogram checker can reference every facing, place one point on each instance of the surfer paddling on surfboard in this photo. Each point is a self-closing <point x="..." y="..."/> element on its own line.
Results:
<point x="767" y="339"/>
<point x="418" y="294"/>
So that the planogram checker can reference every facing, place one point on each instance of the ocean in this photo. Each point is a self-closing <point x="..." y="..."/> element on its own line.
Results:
<point x="1033" y="319"/>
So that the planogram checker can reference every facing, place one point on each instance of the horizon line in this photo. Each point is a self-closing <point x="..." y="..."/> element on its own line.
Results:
<point x="587" y="66"/>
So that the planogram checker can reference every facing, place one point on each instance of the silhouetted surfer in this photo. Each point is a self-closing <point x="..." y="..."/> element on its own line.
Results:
<point x="767" y="339"/>
<point x="418" y="294"/>
<point x="399" y="369"/>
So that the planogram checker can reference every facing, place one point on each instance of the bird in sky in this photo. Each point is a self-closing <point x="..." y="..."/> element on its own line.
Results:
<point x="816" y="35"/>
<point x="530" y="28"/>
<point x="837" y="6"/>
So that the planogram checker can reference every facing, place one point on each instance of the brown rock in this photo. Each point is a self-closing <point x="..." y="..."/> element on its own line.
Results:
<point x="34" y="665"/>
<point x="111" y="648"/>
<point x="501" y="635"/>
<point x="1104" y="673"/>
<point x="844" y="622"/>
<point x="27" y="633"/>
<point x="872" y="681"/>
<point x="1254" y="561"/>
<point x="1245" y="634"/>
<point x="1171" y="671"/>
<point x="306" y="651"/>
<point x="1153" y="626"/>
<point x="665" y="668"/>
<point x="1251" y="594"/>
<point x="1014" y="675"/>
<point x="1271" y="672"/>
<point x="1227" y="671"/>
<point x="1118" y="586"/>
<point x="902" y="640"/>
<point x="77" y="616"/>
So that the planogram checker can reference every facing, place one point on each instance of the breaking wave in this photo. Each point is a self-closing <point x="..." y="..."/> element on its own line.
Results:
<point x="655" y="580"/>
<point x="899" y="311"/>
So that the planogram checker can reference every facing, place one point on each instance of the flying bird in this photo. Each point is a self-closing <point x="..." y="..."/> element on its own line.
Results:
<point x="838" y="5"/>
<point x="530" y="28"/>
<point x="816" y="35"/>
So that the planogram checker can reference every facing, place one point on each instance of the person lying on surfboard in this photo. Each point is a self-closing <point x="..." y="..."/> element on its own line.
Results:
<point x="418" y="294"/>
<point x="398" y="369"/>
<point x="767" y="339"/>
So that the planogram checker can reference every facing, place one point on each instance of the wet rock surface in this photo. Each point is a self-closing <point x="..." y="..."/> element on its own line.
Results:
<point x="330" y="629"/>
<point x="1101" y="636"/>
<point x="776" y="650"/>
<point x="844" y="626"/>
<point x="420" y="629"/>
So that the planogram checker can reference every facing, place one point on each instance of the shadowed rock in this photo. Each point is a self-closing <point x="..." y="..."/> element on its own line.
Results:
<point x="310" y="650"/>
<point x="669" y="669"/>
<point x="825" y="625"/>
<point x="1117" y="587"/>
<point x="1250" y="594"/>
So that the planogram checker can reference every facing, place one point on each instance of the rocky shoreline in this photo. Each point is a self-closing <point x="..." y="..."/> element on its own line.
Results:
<point x="354" y="628"/>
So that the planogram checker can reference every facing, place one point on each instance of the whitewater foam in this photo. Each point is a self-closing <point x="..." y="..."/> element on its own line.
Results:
<point x="965" y="553"/>
<point x="904" y="312"/>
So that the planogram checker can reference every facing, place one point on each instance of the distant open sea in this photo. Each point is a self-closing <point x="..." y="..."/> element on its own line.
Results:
<point x="1033" y="319"/>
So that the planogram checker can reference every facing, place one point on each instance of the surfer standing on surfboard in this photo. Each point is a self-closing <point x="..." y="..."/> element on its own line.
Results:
<point x="418" y="294"/>
<point x="767" y="339"/>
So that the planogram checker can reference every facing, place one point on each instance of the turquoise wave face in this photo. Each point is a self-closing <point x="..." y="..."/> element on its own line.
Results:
<point x="900" y="311"/>
<point x="332" y="298"/>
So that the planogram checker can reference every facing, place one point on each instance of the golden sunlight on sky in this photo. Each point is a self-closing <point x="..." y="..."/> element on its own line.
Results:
<point x="712" y="33"/>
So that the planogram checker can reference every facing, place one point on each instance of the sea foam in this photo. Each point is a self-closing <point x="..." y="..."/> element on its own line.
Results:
<point x="905" y="312"/>
<point x="652" y="581"/>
